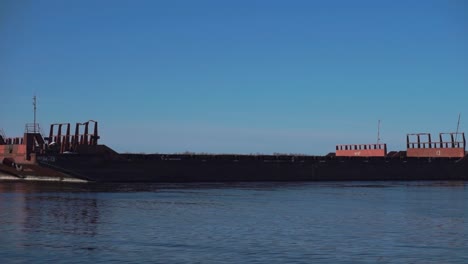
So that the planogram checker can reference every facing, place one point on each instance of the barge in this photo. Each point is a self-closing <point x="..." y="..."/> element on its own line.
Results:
<point x="78" y="157"/>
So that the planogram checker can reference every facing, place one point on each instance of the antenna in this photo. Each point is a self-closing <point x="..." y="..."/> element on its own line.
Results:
<point x="34" y="104"/>
<point x="458" y="126"/>
<point x="378" y="133"/>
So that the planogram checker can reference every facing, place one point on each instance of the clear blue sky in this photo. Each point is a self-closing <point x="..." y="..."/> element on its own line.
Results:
<point x="236" y="76"/>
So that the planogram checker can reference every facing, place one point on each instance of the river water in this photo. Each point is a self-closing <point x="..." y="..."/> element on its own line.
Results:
<point x="358" y="222"/>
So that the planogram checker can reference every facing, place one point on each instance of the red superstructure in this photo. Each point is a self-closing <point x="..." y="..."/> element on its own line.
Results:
<point x="426" y="148"/>
<point x="361" y="150"/>
<point x="24" y="150"/>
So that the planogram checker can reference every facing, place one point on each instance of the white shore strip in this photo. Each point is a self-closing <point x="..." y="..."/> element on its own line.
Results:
<point x="6" y="177"/>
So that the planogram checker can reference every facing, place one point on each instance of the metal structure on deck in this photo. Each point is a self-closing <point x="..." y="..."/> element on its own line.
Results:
<point x="69" y="142"/>
<point x="421" y="145"/>
<point x="361" y="150"/>
<point x="25" y="149"/>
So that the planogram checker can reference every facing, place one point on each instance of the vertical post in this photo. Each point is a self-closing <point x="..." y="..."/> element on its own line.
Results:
<point x="96" y="137"/>
<point x="51" y="133"/>
<point x="378" y="133"/>
<point x="464" y="141"/>
<point x="67" y="138"/>
<point x="76" y="141"/>
<point x="85" y="142"/>
<point x="34" y="104"/>
<point x="59" y="137"/>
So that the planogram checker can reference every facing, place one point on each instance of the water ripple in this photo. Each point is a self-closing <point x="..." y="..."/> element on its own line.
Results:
<point x="361" y="222"/>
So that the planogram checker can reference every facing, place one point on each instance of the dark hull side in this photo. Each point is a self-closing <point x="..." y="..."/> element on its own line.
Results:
<point x="244" y="168"/>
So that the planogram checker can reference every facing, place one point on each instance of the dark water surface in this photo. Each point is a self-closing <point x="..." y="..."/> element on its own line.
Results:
<point x="392" y="222"/>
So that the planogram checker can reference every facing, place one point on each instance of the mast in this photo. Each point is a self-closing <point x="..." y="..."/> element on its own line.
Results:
<point x="458" y="126"/>
<point x="34" y="104"/>
<point x="378" y="133"/>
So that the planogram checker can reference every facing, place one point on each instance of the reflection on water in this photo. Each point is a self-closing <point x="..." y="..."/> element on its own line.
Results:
<point x="420" y="222"/>
<point x="48" y="212"/>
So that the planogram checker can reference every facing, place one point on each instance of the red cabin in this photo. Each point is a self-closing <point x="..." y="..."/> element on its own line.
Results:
<point x="424" y="147"/>
<point x="23" y="150"/>
<point x="361" y="150"/>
